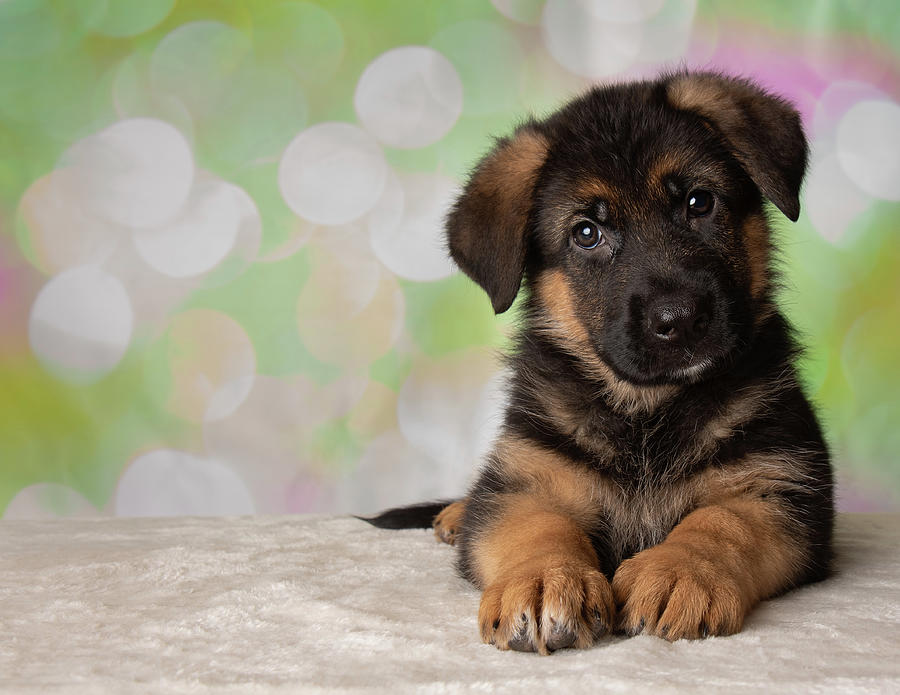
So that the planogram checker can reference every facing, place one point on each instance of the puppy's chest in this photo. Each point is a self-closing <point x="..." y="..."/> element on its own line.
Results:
<point x="640" y="518"/>
<point x="649" y="478"/>
<point x="635" y="450"/>
<point x="650" y="468"/>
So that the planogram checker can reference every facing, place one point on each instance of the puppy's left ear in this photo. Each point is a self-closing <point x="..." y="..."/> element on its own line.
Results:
<point x="486" y="228"/>
<point x="763" y="131"/>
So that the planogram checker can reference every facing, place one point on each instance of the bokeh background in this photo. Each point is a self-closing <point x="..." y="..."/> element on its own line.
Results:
<point x="222" y="282"/>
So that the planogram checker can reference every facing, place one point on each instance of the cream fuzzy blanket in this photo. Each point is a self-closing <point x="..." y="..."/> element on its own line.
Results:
<point x="332" y="605"/>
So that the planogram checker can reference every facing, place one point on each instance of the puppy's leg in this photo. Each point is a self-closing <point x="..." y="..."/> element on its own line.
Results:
<point x="448" y="524"/>
<point x="710" y="571"/>
<point x="542" y="587"/>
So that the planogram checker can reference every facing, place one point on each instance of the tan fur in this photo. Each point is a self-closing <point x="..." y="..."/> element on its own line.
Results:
<point x="757" y="476"/>
<point x="756" y="241"/>
<point x="448" y="524"/>
<point x="540" y="576"/>
<point x="561" y="323"/>
<point x="711" y="570"/>
<point x="708" y="96"/>
<point x="587" y="190"/>
<point x="508" y="177"/>
<point x="743" y="407"/>
<point x="486" y="229"/>
<point x="733" y="548"/>
<point x="669" y="162"/>
<point x="523" y="161"/>
<point x="642" y="517"/>
<point x="674" y="161"/>
<point x="716" y="544"/>
<point x="574" y="422"/>
<point x="645" y="515"/>
<point x="721" y="426"/>
<point x="526" y="530"/>
<point x="550" y="477"/>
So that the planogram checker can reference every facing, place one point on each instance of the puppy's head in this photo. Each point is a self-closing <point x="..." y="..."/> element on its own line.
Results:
<point x="636" y="215"/>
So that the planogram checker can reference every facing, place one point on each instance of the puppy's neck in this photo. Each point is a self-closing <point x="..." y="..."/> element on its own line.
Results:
<point x="634" y="399"/>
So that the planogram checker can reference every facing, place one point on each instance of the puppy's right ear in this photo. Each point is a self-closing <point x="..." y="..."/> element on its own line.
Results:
<point x="486" y="228"/>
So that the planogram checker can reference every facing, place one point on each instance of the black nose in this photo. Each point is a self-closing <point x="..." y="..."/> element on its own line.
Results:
<point x="679" y="320"/>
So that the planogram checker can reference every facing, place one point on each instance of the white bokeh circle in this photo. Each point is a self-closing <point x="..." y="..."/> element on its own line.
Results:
<point x="81" y="322"/>
<point x="868" y="143"/>
<point x="304" y="36"/>
<point x="332" y="173"/>
<point x="200" y="236"/>
<point x="522" y="11"/>
<point x="197" y="62"/>
<point x="587" y="45"/>
<point x="387" y="215"/>
<point x="166" y="482"/>
<point x="247" y="241"/>
<point x="666" y="29"/>
<point x="829" y="197"/>
<point x="350" y="311"/>
<point x="62" y="234"/>
<point x="349" y="275"/>
<point x="406" y="228"/>
<point x="618" y="11"/>
<point x="260" y="439"/>
<point x="49" y="501"/>
<point x="489" y="58"/>
<point x="212" y="365"/>
<point x="409" y="97"/>
<point x="452" y="409"/>
<point x="601" y="38"/>
<point x="249" y="234"/>
<point x="390" y="472"/>
<point x="836" y="100"/>
<point x="137" y="172"/>
<point x="133" y="95"/>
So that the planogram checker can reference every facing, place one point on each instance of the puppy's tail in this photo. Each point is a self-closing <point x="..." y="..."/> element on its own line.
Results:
<point x="414" y="516"/>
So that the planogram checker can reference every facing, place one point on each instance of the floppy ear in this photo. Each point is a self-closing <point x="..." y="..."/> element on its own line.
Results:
<point x="763" y="131"/>
<point x="486" y="227"/>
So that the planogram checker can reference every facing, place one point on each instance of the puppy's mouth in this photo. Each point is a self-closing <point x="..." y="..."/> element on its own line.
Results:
<point x="680" y="367"/>
<point x="695" y="372"/>
<point x="702" y="363"/>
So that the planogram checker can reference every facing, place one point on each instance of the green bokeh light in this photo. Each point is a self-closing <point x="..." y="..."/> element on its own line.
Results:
<point x="241" y="79"/>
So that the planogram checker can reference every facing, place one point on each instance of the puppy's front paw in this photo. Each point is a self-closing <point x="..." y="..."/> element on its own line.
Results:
<point x="543" y="608"/>
<point x="448" y="524"/>
<point x="675" y="592"/>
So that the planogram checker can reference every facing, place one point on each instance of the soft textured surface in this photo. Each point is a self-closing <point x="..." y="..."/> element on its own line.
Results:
<point x="224" y="287"/>
<point x="312" y="604"/>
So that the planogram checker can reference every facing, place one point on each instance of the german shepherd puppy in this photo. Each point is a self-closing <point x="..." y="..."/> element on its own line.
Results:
<point x="659" y="468"/>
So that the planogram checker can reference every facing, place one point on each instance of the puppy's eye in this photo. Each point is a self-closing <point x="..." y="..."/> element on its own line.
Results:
<point x="699" y="203"/>
<point x="587" y="235"/>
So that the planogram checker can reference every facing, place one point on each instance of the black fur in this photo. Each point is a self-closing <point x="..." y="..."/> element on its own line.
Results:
<point x="414" y="516"/>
